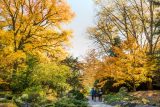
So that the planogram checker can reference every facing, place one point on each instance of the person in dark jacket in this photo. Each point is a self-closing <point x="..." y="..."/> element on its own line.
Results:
<point x="93" y="94"/>
<point x="100" y="93"/>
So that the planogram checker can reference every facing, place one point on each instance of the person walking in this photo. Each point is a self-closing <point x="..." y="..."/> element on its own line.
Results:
<point x="100" y="93"/>
<point x="93" y="94"/>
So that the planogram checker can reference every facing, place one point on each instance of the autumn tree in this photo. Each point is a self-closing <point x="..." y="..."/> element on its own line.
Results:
<point x="127" y="19"/>
<point x="89" y="69"/>
<point x="73" y="64"/>
<point x="130" y="67"/>
<point x="32" y="27"/>
<point x="157" y="53"/>
<point x="52" y="76"/>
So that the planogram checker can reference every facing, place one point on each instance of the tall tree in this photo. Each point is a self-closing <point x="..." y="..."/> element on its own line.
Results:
<point x="125" y="19"/>
<point x="33" y="27"/>
<point x="73" y="64"/>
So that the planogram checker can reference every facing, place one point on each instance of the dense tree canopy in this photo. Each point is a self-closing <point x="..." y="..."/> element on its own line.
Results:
<point x="37" y="70"/>
<point x="32" y="27"/>
<point x="127" y="41"/>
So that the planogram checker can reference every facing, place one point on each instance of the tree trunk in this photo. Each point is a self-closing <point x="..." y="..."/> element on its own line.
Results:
<point x="149" y="81"/>
<point x="15" y="67"/>
<point x="134" y="88"/>
<point x="149" y="85"/>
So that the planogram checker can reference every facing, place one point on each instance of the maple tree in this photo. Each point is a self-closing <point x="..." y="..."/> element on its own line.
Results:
<point x="127" y="39"/>
<point x="89" y="68"/>
<point x="32" y="27"/>
<point x="130" y="66"/>
<point x="126" y="18"/>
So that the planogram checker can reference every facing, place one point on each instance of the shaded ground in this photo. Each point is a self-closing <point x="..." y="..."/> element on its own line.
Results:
<point x="97" y="103"/>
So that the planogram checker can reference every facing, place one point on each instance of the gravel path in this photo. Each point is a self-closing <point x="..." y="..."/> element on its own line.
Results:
<point x="97" y="103"/>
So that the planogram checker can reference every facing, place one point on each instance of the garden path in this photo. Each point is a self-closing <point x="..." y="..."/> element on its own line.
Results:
<point x="97" y="103"/>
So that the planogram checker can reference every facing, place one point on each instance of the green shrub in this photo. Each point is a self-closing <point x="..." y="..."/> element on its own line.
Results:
<point x="76" y="94"/>
<point x="5" y="97"/>
<point x="9" y="96"/>
<point x="20" y="83"/>
<point x="24" y="97"/>
<point x="18" y="101"/>
<point x="3" y="100"/>
<point x="69" y="102"/>
<point x="113" y="98"/>
<point x="35" y="96"/>
<point x="34" y="93"/>
<point x="79" y="103"/>
<point x="123" y="91"/>
<point x="122" y="95"/>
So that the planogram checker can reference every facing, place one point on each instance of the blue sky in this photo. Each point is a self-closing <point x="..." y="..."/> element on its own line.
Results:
<point x="84" y="10"/>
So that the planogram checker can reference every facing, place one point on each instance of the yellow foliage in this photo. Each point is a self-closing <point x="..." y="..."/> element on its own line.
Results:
<point x="33" y="27"/>
<point x="130" y="64"/>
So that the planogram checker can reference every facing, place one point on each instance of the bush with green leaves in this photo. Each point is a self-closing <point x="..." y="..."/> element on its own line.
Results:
<point x="9" y="96"/>
<point x="122" y="95"/>
<point x="23" y="78"/>
<point x="52" y="75"/>
<point x="20" y="82"/>
<point x="75" y="99"/>
<point x="35" y="96"/>
<point x="70" y="102"/>
<point x="76" y="94"/>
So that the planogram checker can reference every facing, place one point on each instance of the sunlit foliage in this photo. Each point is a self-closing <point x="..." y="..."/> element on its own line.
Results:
<point x="127" y="40"/>
<point x="32" y="27"/>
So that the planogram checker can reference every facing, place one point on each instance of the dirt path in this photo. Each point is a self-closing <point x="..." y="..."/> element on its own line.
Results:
<point x="97" y="103"/>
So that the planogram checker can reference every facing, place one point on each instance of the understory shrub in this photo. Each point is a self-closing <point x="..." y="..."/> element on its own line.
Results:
<point x="75" y="99"/>
<point x="122" y="95"/>
<point x="34" y="96"/>
<point x="7" y="105"/>
<point x="70" y="102"/>
<point x="76" y="94"/>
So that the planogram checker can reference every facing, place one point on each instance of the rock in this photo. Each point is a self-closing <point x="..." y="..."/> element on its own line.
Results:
<point x="3" y="99"/>
<point x="25" y="104"/>
<point x="145" y="106"/>
<point x="129" y="104"/>
<point x="124" y="104"/>
<point x="123" y="89"/>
